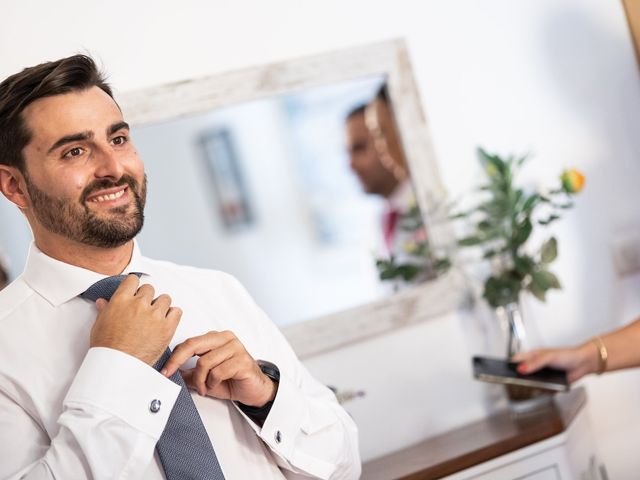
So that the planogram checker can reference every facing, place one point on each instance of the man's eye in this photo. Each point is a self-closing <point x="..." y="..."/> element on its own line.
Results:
<point x="120" y="140"/>
<point x="74" y="152"/>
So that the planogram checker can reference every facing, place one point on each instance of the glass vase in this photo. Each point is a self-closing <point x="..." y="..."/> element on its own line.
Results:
<point x="521" y="399"/>
<point x="516" y="334"/>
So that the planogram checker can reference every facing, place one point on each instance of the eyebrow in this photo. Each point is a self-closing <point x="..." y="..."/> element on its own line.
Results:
<point x="83" y="136"/>
<point x="117" y="126"/>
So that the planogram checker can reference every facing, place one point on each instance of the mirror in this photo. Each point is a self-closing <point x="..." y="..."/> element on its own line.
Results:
<point x="265" y="174"/>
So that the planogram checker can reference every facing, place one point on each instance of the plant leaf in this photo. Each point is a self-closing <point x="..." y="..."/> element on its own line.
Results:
<point x="563" y="206"/>
<point x="522" y="232"/>
<point x="530" y="203"/>
<point x="524" y="265"/>
<point x="537" y="292"/>
<point x="493" y="165"/>
<point x="552" y="218"/>
<point x="409" y="271"/>
<point x="549" y="251"/>
<point x="521" y="160"/>
<point x="501" y="290"/>
<point x="545" y="280"/>
<point x="470" y="241"/>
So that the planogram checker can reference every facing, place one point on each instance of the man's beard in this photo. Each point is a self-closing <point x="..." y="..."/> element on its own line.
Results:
<point x="75" y="220"/>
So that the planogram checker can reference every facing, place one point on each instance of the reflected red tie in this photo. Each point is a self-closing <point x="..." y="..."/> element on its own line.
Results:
<point x="389" y="225"/>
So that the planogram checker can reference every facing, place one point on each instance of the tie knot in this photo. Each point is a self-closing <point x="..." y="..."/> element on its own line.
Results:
<point x="104" y="288"/>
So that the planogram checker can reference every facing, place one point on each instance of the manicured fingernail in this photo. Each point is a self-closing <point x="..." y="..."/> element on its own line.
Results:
<point x="164" y="372"/>
<point x="522" y="368"/>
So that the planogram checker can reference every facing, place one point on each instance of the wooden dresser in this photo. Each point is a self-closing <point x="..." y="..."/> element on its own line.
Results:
<point x="553" y="443"/>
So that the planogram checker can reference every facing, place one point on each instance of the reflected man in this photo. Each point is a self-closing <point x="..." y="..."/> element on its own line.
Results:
<point x="377" y="158"/>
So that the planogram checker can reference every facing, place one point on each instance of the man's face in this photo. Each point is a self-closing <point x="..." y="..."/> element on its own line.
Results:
<point x="364" y="158"/>
<point x="84" y="178"/>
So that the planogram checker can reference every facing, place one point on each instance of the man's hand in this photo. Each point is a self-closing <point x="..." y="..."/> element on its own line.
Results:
<point x="134" y="322"/>
<point x="224" y="370"/>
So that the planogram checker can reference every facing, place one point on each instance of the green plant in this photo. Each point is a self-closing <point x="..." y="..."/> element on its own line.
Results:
<point x="417" y="261"/>
<point x="503" y="221"/>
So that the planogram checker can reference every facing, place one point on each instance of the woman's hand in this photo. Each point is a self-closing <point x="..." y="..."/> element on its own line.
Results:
<point x="577" y="361"/>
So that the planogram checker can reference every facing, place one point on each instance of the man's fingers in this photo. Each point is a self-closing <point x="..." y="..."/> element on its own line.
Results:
<point x="162" y="303"/>
<point x="217" y="376"/>
<point x="195" y="346"/>
<point x="128" y="286"/>
<point x="101" y="303"/>
<point x="184" y="351"/>
<point x="217" y="391"/>
<point x="187" y="376"/>
<point x="146" y="291"/>
<point x="174" y="314"/>
<point x="208" y="362"/>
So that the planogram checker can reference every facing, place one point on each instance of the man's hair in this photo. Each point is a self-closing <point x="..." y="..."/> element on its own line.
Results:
<point x="75" y="73"/>
<point x="381" y="94"/>
<point x="354" y="112"/>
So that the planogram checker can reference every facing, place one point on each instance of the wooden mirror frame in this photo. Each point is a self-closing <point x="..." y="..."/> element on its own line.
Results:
<point x="414" y="304"/>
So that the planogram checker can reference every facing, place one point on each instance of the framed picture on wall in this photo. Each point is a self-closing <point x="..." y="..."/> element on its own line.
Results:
<point x="228" y="181"/>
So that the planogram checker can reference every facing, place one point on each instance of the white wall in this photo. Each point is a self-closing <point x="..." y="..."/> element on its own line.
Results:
<point x="554" y="77"/>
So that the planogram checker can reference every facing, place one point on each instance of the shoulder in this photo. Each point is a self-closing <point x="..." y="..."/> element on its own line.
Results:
<point x="13" y="297"/>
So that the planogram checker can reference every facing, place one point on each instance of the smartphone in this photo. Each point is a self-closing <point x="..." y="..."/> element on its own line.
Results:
<point x="497" y="370"/>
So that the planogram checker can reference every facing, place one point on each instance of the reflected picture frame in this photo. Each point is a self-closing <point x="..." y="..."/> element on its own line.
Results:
<point x="228" y="184"/>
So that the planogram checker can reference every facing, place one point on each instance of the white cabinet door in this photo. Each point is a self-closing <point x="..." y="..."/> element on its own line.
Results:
<point x="548" y="465"/>
<point x="550" y="473"/>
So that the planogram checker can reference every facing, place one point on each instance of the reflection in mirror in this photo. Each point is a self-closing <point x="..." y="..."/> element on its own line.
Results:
<point x="255" y="172"/>
<point x="305" y="197"/>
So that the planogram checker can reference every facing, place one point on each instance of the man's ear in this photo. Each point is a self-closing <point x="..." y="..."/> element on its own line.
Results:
<point x="13" y="186"/>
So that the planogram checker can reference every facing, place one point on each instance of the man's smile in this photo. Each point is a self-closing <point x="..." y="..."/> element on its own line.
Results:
<point x="110" y="196"/>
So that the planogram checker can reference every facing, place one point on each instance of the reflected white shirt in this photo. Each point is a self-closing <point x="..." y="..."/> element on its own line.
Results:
<point x="67" y="411"/>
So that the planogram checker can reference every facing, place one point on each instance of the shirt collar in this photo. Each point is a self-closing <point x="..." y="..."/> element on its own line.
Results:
<point x="402" y="196"/>
<point x="58" y="282"/>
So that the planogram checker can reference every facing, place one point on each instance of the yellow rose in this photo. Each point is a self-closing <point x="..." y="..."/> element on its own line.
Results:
<point x="572" y="180"/>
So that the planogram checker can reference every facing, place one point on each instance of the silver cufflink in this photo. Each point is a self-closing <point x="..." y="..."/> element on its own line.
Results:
<point x="154" y="406"/>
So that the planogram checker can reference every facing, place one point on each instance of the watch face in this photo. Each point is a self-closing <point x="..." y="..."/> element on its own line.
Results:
<point x="269" y="369"/>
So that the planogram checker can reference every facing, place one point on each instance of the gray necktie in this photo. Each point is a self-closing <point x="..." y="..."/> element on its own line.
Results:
<point x="184" y="447"/>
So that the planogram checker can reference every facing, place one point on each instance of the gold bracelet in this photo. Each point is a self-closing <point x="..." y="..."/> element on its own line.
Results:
<point x="604" y="355"/>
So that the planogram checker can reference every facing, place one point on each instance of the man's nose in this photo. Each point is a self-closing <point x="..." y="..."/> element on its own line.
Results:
<point x="353" y="160"/>
<point x="109" y="164"/>
<point x="357" y="164"/>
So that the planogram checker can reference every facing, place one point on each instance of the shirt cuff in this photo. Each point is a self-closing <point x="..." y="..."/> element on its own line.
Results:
<point x="287" y="414"/>
<point x="288" y="421"/>
<point x="125" y="387"/>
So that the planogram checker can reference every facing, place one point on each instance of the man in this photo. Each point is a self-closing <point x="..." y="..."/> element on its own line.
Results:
<point x="376" y="157"/>
<point x="79" y="394"/>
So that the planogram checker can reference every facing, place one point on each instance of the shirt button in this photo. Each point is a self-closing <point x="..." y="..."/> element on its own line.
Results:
<point x="278" y="436"/>
<point x="154" y="406"/>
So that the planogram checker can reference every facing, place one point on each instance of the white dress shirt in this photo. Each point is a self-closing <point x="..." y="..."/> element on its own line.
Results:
<point x="68" y="411"/>
<point x="400" y="201"/>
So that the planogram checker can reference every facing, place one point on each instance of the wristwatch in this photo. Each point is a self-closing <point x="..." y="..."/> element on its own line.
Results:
<point x="259" y="414"/>
<point x="270" y="370"/>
